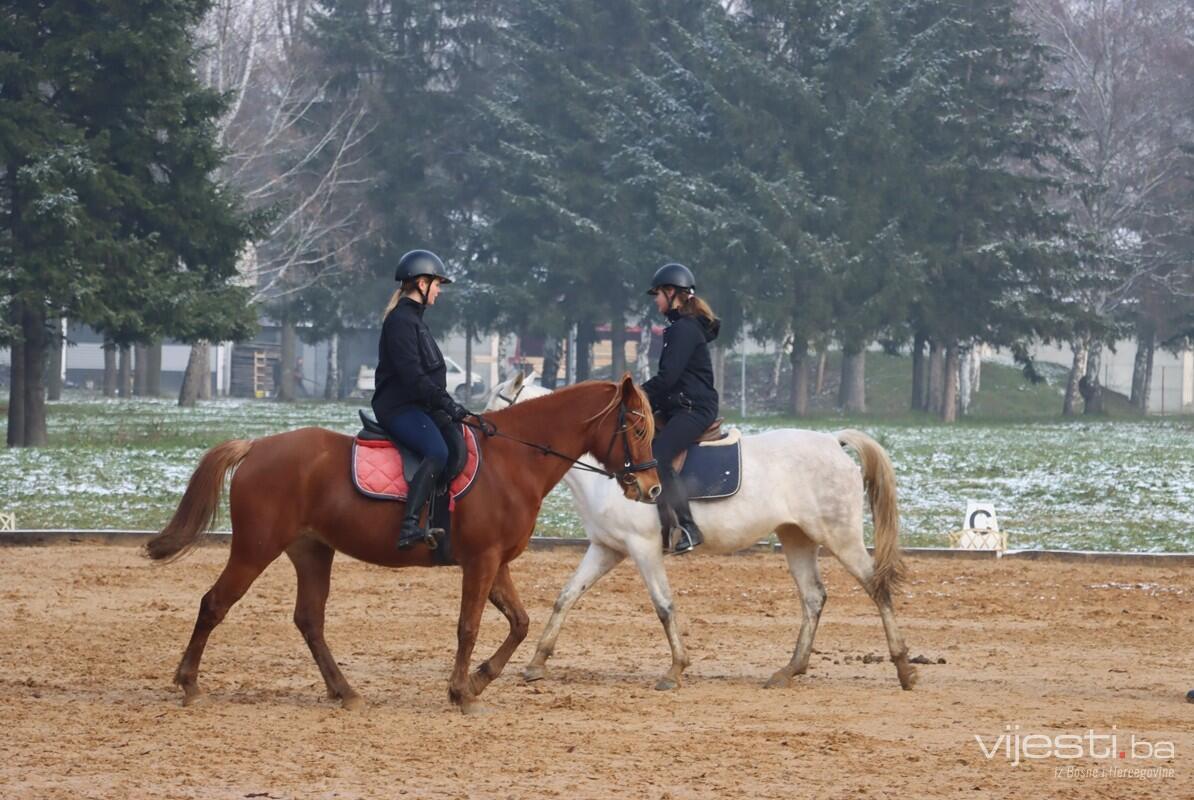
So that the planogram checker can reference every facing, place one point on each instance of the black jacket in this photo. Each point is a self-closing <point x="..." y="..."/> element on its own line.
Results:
<point x="410" y="367"/>
<point x="685" y="377"/>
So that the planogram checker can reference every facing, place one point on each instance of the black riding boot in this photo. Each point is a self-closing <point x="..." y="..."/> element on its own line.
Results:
<point x="685" y="535"/>
<point x="418" y="493"/>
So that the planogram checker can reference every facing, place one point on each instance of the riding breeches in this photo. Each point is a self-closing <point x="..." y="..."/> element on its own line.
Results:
<point x="417" y="430"/>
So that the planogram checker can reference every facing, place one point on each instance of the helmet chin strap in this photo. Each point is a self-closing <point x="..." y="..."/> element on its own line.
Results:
<point x="424" y="293"/>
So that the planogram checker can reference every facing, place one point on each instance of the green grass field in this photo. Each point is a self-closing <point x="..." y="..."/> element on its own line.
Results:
<point x="1102" y="485"/>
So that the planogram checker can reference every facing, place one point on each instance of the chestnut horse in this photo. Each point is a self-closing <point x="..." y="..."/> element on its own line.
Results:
<point x="292" y="494"/>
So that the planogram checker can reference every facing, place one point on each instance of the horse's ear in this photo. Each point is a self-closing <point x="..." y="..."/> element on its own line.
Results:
<point x="627" y="388"/>
<point x="519" y="377"/>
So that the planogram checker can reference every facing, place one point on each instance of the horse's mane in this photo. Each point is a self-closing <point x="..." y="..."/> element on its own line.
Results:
<point x="643" y="424"/>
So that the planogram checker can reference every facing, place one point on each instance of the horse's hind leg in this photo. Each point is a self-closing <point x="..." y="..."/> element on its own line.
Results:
<point x="857" y="561"/>
<point x="313" y="565"/>
<point x="801" y="553"/>
<point x="505" y="597"/>
<point x="234" y="581"/>
<point x="597" y="561"/>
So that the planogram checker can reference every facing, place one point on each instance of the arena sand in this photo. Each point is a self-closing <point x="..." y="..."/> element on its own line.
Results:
<point x="90" y="636"/>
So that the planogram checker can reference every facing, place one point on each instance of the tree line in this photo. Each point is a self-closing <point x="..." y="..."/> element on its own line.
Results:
<point x="930" y="175"/>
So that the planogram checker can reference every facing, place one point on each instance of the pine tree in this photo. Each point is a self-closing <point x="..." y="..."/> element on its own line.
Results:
<point x="988" y="143"/>
<point x="111" y="215"/>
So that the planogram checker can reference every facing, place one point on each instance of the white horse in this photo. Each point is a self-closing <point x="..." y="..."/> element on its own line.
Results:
<point x="799" y="484"/>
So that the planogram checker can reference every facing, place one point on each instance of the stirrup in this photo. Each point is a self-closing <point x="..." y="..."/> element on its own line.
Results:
<point x="682" y="541"/>
<point x="428" y="536"/>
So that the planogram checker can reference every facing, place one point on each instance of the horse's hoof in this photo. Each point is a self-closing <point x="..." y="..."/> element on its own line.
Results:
<point x="352" y="702"/>
<point x="666" y="684"/>
<point x="533" y="672"/>
<point x="778" y="681"/>
<point x="908" y="676"/>
<point x="475" y="710"/>
<point x="191" y="698"/>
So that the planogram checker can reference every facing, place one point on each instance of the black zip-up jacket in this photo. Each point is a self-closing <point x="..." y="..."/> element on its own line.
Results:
<point x="685" y="377"/>
<point x="410" y="367"/>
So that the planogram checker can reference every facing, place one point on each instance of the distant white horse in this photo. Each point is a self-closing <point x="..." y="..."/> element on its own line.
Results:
<point x="799" y="484"/>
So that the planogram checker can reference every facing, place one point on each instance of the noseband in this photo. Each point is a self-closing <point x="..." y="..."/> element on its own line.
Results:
<point x="625" y="476"/>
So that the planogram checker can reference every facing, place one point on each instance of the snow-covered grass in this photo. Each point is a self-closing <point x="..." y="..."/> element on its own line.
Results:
<point x="1097" y="486"/>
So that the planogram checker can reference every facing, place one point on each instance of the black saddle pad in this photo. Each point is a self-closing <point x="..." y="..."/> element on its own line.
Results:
<point x="712" y="471"/>
<point x="453" y="436"/>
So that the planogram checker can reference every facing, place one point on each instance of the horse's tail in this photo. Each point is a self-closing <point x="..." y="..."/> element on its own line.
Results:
<point x="879" y="478"/>
<point x="197" y="511"/>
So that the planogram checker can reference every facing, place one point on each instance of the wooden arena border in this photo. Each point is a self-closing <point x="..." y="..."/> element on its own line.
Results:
<point x="34" y="537"/>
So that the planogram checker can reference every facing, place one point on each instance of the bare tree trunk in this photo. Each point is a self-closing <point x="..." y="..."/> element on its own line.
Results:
<point x="57" y="347"/>
<point x="919" y="384"/>
<point x="124" y="376"/>
<point x="188" y="393"/>
<point x="822" y="365"/>
<point x="289" y="354"/>
<point x="109" y="369"/>
<point x="153" y="370"/>
<point x="331" y="387"/>
<point x="798" y="400"/>
<point x="854" y="382"/>
<point x="617" y="343"/>
<point x="1142" y="368"/>
<point x="777" y="367"/>
<point x="949" y="393"/>
<point x="936" y="393"/>
<point x="1077" y="369"/>
<point x="35" y="377"/>
<point x="140" y="369"/>
<point x="976" y="368"/>
<point x="15" y="435"/>
<point x="1091" y="385"/>
<point x="552" y="348"/>
<point x="584" y="350"/>
<point x="965" y="380"/>
<point x="642" y="367"/>
<point x="205" y="374"/>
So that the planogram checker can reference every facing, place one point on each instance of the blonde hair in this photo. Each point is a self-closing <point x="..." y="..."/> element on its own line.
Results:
<point x="394" y="298"/>
<point x="398" y="294"/>
<point x="693" y="306"/>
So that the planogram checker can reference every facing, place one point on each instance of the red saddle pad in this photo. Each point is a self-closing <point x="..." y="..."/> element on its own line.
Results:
<point x="377" y="469"/>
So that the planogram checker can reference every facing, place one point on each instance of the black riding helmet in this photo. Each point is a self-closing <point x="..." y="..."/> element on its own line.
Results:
<point x="417" y="263"/>
<point x="673" y="274"/>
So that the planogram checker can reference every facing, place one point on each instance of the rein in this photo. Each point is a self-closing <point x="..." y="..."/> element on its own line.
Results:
<point x="624" y="475"/>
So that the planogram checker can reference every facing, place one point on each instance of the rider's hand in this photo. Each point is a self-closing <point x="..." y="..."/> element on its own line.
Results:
<point x="487" y="427"/>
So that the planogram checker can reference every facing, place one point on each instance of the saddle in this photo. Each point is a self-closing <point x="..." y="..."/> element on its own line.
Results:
<point x="382" y="469"/>
<point x="459" y="442"/>
<point x="712" y="468"/>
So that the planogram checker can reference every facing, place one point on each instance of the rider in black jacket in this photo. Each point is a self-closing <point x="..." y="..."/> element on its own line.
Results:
<point x="410" y="397"/>
<point x="681" y="393"/>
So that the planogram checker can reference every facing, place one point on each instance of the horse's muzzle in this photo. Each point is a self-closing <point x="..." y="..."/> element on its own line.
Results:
<point x="655" y="491"/>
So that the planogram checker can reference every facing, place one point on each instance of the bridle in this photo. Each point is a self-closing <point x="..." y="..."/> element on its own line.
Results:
<point x="624" y="476"/>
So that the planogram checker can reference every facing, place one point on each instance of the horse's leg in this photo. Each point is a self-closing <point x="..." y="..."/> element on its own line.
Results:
<point x="648" y="557"/>
<point x="477" y="579"/>
<point x="505" y="597"/>
<point x="850" y="550"/>
<point x="313" y="566"/>
<point x="597" y="561"/>
<point x="801" y="553"/>
<point x="234" y="581"/>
